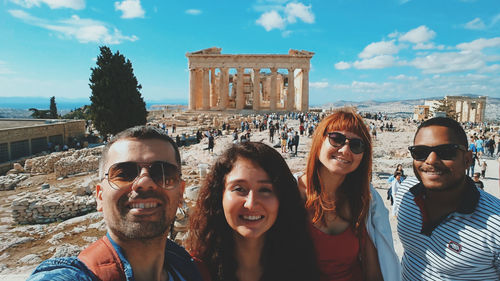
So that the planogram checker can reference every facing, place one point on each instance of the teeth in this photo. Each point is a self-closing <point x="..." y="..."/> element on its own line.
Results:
<point x="143" y="205"/>
<point x="252" y="218"/>
<point x="341" y="160"/>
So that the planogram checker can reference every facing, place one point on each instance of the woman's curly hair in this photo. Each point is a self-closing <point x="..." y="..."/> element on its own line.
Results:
<point x="288" y="253"/>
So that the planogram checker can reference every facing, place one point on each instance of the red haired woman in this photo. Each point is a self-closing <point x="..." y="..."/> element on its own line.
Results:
<point x="348" y="222"/>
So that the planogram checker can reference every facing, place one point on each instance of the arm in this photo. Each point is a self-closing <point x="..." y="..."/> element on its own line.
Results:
<point x="371" y="265"/>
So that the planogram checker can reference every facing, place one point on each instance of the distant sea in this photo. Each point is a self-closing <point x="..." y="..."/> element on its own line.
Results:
<point x="18" y="107"/>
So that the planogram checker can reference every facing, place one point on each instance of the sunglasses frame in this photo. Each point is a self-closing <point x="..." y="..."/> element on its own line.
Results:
<point x="338" y="145"/>
<point x="436" y="149"/>
<point x="148" y="166"/>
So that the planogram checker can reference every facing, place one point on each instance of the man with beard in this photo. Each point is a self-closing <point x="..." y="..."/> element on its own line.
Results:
<point x="450" y="230"/>
<point x="139" y="193"/>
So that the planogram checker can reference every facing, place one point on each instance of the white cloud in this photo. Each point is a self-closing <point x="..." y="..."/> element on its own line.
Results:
<point x="299" y="10"/>
<point x="420" y="34"/>
<point x="271" y="20"/>
<point x="83" y="30"/>
<point x="319" y="85"/>
<point x="4" y="69"/>
<point x="379" y="48"/>
<point x="286" y="33"/>
<point x="193" y="12"/>
<point x="342" y="65"/>
<point x="53" y="4"/>
<point x="479" y="44"/>
<point x="130" y="9"/>
<point x="377" y="62"/>
<point x="403" y="77"/>
<point x="475" y="24"/>
<point x="277" y="16"/>
<point x="428" y="46"/>
<point x="450" y="62"/>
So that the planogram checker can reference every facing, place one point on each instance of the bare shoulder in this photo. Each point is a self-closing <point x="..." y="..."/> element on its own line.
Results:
<point x="302" y="184"/>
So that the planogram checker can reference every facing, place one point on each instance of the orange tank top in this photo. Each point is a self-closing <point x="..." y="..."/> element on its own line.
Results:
<point x="338" y="255"/>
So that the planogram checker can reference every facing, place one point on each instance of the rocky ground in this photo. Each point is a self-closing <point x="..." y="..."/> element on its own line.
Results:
<point x="22" y="247"/>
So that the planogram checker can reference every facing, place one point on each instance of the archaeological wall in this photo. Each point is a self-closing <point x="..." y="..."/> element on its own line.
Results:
<point x="22" y="140"/>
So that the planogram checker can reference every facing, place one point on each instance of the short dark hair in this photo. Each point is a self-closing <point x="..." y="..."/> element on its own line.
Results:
<point x="448" y="123"/>
<point x="141" y="133"/>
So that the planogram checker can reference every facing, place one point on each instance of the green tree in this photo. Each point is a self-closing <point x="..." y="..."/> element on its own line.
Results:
<point x="39" y="114"/>
<point x="79" y="113"/>
<point x="53" y="108"/>
<point x="117" y="103"/>
<point x="446" y="107"/>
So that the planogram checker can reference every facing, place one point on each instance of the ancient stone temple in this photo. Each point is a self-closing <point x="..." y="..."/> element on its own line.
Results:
<point x="213" y="87"/>
<point x="468" y="109"/>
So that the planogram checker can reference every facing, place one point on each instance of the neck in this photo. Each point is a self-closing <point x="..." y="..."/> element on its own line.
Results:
<point x="145" y="256"/>
<point x="248" y="254"/>
<point x="330" y="182"/>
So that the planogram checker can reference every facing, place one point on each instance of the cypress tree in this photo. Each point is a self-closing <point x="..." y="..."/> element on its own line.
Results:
<point x="117" y="103"/>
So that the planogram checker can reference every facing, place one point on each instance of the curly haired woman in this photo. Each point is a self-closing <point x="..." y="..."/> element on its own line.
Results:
<point x="250" y="222"/>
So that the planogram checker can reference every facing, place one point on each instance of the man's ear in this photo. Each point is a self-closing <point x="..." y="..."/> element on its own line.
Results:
<point x="98" y="196"/>
<point x="182" y="187"/>
<point x="468" y="159"/>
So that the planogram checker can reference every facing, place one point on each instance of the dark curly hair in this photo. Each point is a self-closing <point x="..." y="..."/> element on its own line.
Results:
<point x="288" y="252"/>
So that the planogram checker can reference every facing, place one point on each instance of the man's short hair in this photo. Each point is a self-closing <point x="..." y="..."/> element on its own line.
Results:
<point x="141" y="133"/>
<point x="448" y="123"/>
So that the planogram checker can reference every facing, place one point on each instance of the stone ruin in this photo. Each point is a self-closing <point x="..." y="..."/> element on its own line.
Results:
<point x="65" y="163"/>
<point x="46" y="206"/>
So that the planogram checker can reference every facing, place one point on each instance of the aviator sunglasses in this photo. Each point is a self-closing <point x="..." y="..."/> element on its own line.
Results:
<point x="336" y="139"/>
<point x="443" y="151"/>
<point x="124" y="174"/>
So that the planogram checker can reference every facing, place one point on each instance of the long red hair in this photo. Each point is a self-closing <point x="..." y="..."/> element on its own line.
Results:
<point x="355" y="190"/>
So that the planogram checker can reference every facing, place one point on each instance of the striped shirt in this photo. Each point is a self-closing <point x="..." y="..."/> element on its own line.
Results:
<point x="465" y="245"/>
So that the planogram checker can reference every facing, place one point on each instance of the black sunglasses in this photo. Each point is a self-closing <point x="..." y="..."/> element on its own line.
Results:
<point x="337" y="139"/>
<point x="443" y="151"/>
<point x="123" y="174"/>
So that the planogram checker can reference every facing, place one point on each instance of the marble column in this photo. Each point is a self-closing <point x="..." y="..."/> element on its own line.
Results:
<point x="205" y="101"/>
<point x="272" y="98"/>
<point x="199" y="88"/>
<point x="192" y="89"/>
<point x="256" y="89"/>
<point x="290" y="95"/>
<point x="460" y="111"/>
<point x="305" y="90"/>
<point x="213" y="94"/>
<point x="224" y="88"/>
<point x="468" y="111"/>
<point x="240" y="98"/>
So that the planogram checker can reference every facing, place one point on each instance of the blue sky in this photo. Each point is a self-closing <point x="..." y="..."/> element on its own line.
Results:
<point x="364" y="50"/>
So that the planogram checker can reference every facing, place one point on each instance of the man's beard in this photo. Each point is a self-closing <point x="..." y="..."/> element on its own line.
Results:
<point x="138" y="229"/>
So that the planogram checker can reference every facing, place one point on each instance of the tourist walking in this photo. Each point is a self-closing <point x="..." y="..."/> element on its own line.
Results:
<point x="248" y="223"/>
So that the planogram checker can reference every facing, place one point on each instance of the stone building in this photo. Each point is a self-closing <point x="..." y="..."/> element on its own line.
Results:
<point x="212" y="87"/>
<point x="23" y="137"/>
<point x="466" y="108"/>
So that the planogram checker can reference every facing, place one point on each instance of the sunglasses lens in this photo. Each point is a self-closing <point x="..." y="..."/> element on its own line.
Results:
<point x="357" y="146"/>
<point x="446" y="152"/>
<point x="336" y="139"/>
<point x="123" y="173"/>
<point x="157" y="174"/>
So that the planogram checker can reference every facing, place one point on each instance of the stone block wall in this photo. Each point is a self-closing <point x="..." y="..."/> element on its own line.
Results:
<point x="65" y="163"/>
<point x="36" y="208"/>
